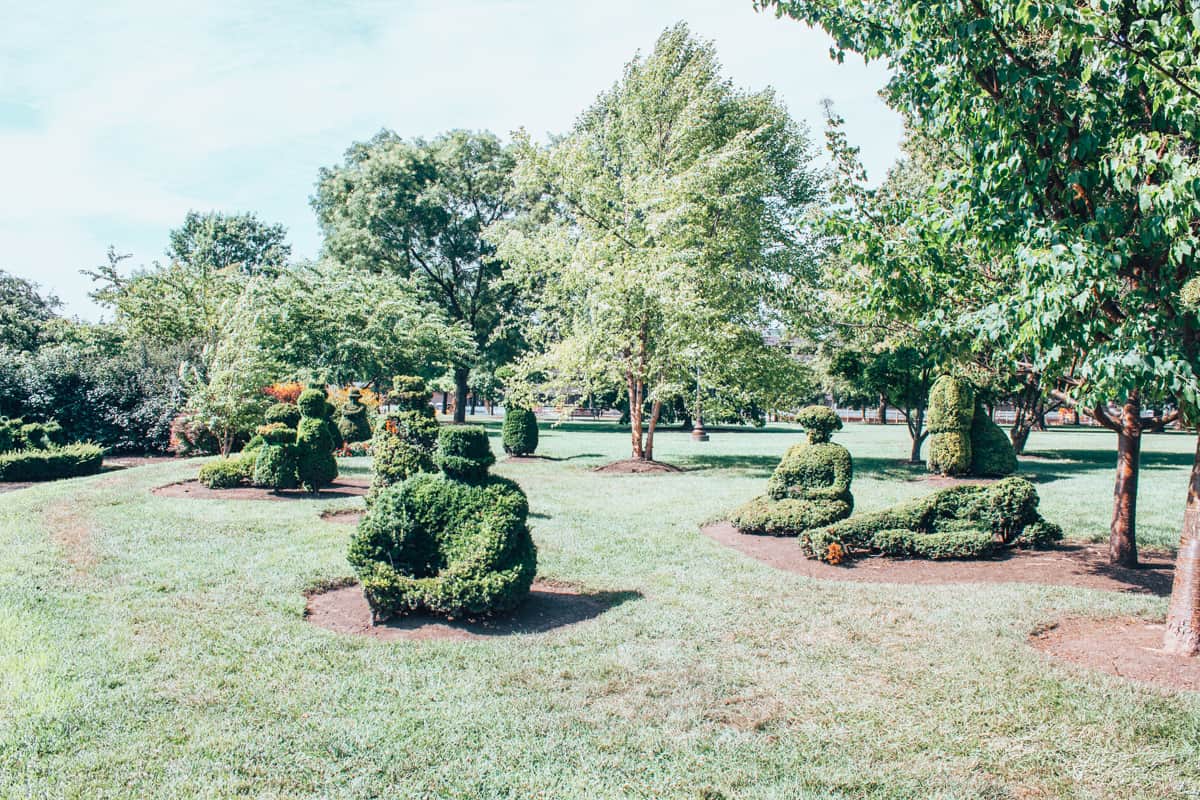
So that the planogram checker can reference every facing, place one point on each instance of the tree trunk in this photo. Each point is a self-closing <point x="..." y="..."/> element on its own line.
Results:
<point x="655" y="409"/>
<point x="445" y="401"/>
<point x="915" y="454"/>
<point x="916" y="430"/>
<point x="882" y="411"/>
<point x="635" y="416"/>
<point x="1183" y="613"/>
<point x="1122" y="533"/>
<point x="460" y="393"/>
<point x="1019" y="434"/>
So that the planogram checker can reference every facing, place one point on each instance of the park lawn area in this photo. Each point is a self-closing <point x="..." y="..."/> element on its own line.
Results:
<point x="156" y="647"/>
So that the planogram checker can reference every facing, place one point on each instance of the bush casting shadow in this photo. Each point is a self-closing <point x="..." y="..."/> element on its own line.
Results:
<point x="340" y="488"/>
<point x="549" y="606"/>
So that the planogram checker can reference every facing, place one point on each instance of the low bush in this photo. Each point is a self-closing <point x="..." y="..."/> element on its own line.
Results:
<point x="225" y="473"/>
<point x="520" y="431"/>
<point x="52" y="463"/>
<point x="287" y="414"/>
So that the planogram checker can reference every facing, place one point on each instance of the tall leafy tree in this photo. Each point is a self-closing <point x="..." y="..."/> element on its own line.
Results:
<point x="24" y="310"/>
<point x="666" y="231"/>
<point x="220" y="241"/>
<point x="1075" y="129"/>
<point x="417" y="209"/>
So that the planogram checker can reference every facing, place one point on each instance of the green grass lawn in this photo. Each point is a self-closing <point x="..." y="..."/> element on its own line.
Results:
<point x="156" y="647"/>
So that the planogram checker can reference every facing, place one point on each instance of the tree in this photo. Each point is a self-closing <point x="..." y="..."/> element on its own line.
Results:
<point x="238" y="242"/>
<point x="1074" y="127"/>
<point x="665" y="233"/>
<point x="900" y="375"/>
<point x="417" y="209"/>
<point x="24" y="310"/>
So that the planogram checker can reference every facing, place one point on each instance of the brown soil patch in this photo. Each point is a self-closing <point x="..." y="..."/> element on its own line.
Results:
<point x="126" y="462"/>
<point x="1081" y="565"/>
<point x="637" y="466"/>
<point x="343" y="516"/>
<point x="12" y="486"/>
<point x="342" y="487"/>
<point x="550" y="606"/>
<point x="1126" y="647"/>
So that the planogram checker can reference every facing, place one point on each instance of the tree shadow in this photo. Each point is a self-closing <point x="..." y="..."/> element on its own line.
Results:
<point x="761" y="466"/>
<point x="889" y="469"/>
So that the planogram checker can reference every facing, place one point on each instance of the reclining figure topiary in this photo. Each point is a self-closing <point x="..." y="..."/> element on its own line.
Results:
<point x="960" y="522"/>
<point x="809" y="488"/>
<point x="454" y="543"/>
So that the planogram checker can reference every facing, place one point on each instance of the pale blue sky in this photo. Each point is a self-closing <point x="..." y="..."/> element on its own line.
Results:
<point x="118" y="117"/>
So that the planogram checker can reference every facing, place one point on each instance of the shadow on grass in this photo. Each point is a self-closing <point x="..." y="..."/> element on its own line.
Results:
<point x="761" y="466"/>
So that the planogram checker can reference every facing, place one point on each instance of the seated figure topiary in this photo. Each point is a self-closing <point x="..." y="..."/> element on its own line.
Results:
<point x="809" y="488"/>
<point x="275" y="460"/>
<point x="455" y="544"/>
<point x="405" y="438"/>
<point x="960" y="522"/>
<point x="315" y="465"/>
<point x="951" y="409"/>
<point x="520" y="431"/>
<point x="354" y="423"/>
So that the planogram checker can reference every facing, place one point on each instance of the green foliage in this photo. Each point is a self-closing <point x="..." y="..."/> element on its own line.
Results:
<point x="287" y="414"/>
<point x="238" y="242"/>
<point x="665" y="235"/>
<point x="354" y="422"/>
<point x="311" y="403"/>
<point x="464" y="452"/>
<point x="276" y="467"/>
<point x="24" y="311"/>
<point x="277" y="433"/>
<point x="767" y="516"/>
<point x="960" y="522"/>
<point x="404" y="440"/>
<point x="409" y="393"/>
<point x="226" y="473"/>
<point x="992" y="453"/>
<point x="447" y="546"/>
<point x="315" y="464"/>
<point x="819" y="422"/>
<point x="51" y="463"/>
<point x="951" y="409"/>
<point x="520" y="431"/>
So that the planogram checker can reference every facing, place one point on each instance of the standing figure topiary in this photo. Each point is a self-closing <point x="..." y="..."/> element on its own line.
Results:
<point x="809" y="488"/>
<point x="405" y="438"/>
<point x="951" y="410"/>
<point x="455" y="544"/>
<point x="354" y="423"/>
<point x="520" y="431"/>
<point x="992" y="453"/>
<point x="315" y="465"/>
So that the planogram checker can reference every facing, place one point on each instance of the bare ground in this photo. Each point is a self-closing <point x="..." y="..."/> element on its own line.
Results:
<point x="1126" y="647"/>
<point x="342" y="487"/>
<point x="636" y="466"/>
<point x="1082" y="565"/>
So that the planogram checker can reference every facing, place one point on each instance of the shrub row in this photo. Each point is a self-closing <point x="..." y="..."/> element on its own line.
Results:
<point x="54" y="462"/>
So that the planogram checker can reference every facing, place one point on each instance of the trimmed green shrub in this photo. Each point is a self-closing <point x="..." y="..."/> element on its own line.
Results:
<point x="951" y="409"/>
<point x="992" y="453"/>
<point x="409" y="393"/>
<point x="447" y="546"/>
<point x="315" y="465"/>
<point x="354" y="422"/>
<point x="287" y="414"/>
<point x="819" y="422"/>
<point x="224" y="473"/>
<point x="275" y="467"/>
<point x="520" y="431"/>
<point x="766" y="517"/>
<point x="68" y="461"/>
<point x="960" y="522"/>
<point x="464" y="452"/>
<point x="311" y="403"/>
<point x="8" y="435"/>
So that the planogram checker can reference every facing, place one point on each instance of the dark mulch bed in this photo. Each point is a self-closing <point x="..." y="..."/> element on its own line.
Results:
<point x="550" y="606"/>
<point x="342" y="487"/>
<point x="1082" y="565"/>
<point x="637" y="466"/>
<point x="1126" y="647"/>
<point x="343" y="516"/>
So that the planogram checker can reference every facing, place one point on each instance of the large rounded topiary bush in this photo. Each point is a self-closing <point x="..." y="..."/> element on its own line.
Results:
<point x="455" y="544"/>
<point x="520" y="431"/>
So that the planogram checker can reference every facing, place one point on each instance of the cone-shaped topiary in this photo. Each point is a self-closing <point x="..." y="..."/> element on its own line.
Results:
<point x="520" y="431"/>
<point x="809" y="488"/>
<point x="992" y="454"/>
<point x="315" y="465"/>
<point x="405" y="439"/>
<point x="951" y="409"/>
<point x="960" y="522"/>
<point x="450" y="546"/>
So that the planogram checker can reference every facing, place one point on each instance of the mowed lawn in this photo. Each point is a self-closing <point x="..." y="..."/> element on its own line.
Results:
<point x="156" y="647"/>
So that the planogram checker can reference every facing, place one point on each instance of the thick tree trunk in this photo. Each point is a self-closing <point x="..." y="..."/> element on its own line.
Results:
<point x="1122" y="533"/>
<point x="915" y="454"/>
<point x="445" y="401"/>
<point x="460" y="393"/>
<point x="1019" y="434"/>
<point x="1183" y="613"/>
<point x="883" y="406"/>
<point x="916" y="430"/>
